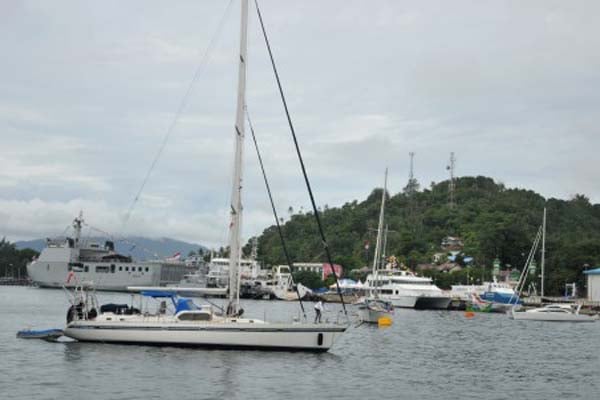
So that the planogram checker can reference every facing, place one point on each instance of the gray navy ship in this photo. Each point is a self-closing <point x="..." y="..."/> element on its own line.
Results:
<point x="70" y="260"/>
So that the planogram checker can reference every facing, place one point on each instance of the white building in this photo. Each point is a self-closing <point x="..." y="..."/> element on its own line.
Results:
<point x="593" y="284"/>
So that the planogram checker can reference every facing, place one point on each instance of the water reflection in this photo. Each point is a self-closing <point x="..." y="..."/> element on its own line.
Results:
<point x="433" y="355"/>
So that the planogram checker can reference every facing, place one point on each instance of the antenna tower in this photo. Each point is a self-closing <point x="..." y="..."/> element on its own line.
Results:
<point x="452" y="183"/>
<point x="411" y="174"/>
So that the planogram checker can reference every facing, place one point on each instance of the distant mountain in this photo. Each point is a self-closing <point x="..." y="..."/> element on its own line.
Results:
<point x="140" y="248"/>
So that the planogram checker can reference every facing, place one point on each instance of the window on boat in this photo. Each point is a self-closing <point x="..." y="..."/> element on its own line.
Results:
<point x="102" y="268"/>
<point x="86" y="268"/>
<point x="127" y="269"/>
<point x="387" y="291"/>
<point x="140" y="269"/>
<point x="194" y="316"/>
<point x="120" y="268"/>
<point x="147" y="269"/>
<point x="112" y="268"/>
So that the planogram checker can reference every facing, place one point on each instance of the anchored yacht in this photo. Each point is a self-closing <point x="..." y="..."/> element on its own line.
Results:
<point x="178" y="321"/>
<point x="190" y="324"/>
<point x="405" y="289"/>
<point x="72" y="259"/>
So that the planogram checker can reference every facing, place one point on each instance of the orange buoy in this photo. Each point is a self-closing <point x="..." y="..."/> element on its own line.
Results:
<point x="469" y="314"/>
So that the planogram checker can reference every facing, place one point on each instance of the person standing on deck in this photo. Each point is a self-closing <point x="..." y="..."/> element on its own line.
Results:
<point x="318" y="311"/>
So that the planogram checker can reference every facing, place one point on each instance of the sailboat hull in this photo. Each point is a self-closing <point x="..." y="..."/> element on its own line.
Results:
<point x="263" y="336"/>
<point x="552" y="317"/>
<point x="372" y="316"/>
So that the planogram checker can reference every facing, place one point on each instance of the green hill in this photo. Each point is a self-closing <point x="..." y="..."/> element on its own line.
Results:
<point x="492" y="221"/>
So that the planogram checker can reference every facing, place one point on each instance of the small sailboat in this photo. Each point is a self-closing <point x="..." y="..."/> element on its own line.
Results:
<point x="554" y="312"/>
<point x="374" y="309"/>
<point x="201" y="325"/>
<point x="550" y="312"/>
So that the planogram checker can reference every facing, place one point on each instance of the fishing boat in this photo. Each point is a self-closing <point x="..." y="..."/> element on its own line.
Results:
<point x="499" y="295"/>
<point x="554" y="313"/>
<point x="372" y="309"/>
<point x="202" y="326"/>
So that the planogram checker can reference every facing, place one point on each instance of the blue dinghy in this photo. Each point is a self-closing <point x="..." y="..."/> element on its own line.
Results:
<point x="46" y="334"/>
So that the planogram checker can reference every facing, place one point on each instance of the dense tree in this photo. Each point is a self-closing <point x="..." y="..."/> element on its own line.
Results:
<point x="309" y="279"/>
<point x="493" y="221"/>
<point x="13" y="262"/>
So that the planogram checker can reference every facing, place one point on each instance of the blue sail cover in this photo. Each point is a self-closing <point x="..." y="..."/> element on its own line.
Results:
<point x="184" y="304"/>
<point x="157" y="293"/>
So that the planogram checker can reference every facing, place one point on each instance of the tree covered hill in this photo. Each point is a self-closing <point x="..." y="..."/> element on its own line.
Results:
<point x="492" y="220"/>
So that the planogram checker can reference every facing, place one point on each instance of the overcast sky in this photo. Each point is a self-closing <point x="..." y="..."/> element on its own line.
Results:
<point x="88" y="90"/>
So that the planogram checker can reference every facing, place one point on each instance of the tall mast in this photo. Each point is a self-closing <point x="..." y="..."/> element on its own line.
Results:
<point x="77" y="223"/>
<point x="235" y="227"/>
<point x="376" y="259"/>
<point x="384" y="253"/>
<point x="543" y="258"/>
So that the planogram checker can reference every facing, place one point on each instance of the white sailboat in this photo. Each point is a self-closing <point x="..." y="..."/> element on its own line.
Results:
<point x="203" y="326"/>
<point x="554" y="312"/>
<point x="372" y="309"/>
<point x="550" y="312"/>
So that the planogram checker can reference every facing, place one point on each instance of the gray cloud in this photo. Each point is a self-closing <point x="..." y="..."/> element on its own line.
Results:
<point x="89" y="90"/>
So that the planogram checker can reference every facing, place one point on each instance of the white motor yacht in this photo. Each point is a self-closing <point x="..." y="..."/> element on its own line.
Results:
<point x="554" y="312"/>
<point x="405" y="289"/>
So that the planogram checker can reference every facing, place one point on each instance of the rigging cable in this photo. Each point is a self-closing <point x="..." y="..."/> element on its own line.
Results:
<point x="308" y="187"/>
<point x="283" y="245"/>
<point x="199" y="70"/>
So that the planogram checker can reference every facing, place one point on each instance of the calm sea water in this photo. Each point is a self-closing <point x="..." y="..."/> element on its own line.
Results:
<point x="424" y="355"/>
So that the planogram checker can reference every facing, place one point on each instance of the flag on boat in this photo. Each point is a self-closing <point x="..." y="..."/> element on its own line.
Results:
<point x="174" y="257"/>
<point x="70" y="276"/>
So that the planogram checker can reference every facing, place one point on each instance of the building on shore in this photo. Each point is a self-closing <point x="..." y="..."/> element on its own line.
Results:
<point x="593" y="284"/>
<point x="322" y="269"/>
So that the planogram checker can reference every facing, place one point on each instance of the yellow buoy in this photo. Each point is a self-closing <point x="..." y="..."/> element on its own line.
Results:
<point x="384" y="321"/>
